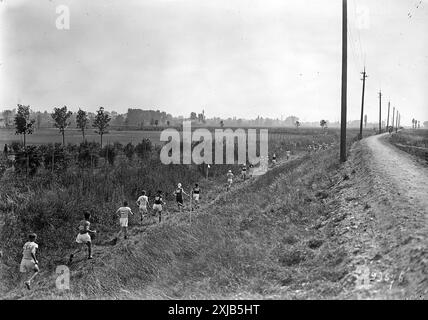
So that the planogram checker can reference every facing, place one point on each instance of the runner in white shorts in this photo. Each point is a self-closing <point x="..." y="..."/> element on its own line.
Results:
<point x="83" y="237"/>
<point x="142" y="203"/>
<point x="124" y="214"/>
<point x="244" y="172"/>
<point x="229" y="179"/>
<point x="29" y="261"/>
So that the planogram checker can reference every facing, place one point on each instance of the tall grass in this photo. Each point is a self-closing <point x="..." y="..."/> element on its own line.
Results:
<point x="252" y="240"/>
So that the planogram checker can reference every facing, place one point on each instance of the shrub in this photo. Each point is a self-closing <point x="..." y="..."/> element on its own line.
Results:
<point x="144" y="148"/>
<point x="109" y="153"/>
<point x="28" y="160"/>
<point x="88" y="154"/>
<point x="129" y="150"/>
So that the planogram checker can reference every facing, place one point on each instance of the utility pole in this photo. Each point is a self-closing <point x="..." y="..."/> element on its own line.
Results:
<point x="393" y="118"/>
<point x="344" y="80"/>
<point x="387" y="119"/>
<point x="396" y="122"/>
<point x="380" y="112"/>
<point x="362" y="102"/>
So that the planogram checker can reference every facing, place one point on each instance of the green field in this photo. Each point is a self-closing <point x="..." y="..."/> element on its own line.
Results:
<point x="52" y="135"/>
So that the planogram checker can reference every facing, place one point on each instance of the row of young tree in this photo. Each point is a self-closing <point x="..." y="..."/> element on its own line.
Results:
<point x="58" y="157"/>
<point x="24" y="125"/>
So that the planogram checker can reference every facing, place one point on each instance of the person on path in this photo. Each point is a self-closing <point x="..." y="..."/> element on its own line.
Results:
<point x="29" y="261"/>
<point x="83" y="237"/>
<point x="124" y="212"/>
<point x="143" y="202"/>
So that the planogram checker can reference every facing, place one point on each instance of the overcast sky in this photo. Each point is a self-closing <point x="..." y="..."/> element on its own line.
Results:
<point x="231" y="58"/>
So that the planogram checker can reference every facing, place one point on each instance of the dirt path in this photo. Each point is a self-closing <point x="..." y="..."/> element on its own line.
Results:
<point x="383" y="209"/>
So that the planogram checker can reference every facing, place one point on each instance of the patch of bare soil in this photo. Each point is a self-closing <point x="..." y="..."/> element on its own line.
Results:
<point x="380" y="216"/>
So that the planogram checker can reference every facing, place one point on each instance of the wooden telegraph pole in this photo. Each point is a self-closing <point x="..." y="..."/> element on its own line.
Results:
<point x="344" y="80"/>
<point x="380" y="112"/>
<point x="393" y="118"/>
<point x="362" y="102"/>
<point x="399" y="121"/>
<point x="387" y="119"/>
<point x="396" y="122"/>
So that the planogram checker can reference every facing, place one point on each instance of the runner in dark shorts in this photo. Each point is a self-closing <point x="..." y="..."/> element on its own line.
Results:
<point x="179" y="196"/>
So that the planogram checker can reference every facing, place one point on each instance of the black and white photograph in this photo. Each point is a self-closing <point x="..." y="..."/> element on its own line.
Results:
<point x="242" y="151"/>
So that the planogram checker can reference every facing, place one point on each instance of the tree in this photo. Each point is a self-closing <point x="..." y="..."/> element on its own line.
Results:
<point x="419" y="124"/>
<point x="323" y="124"/>
<point x="23" y="123"/>
<point x="291" y="121"/>
<point x="297" y="124"/>
<point x="201" y="117"/>
<point x="7" y="114"/>
<point x="119" y="120"/>
<point x="222" y="123"/>
<point x="413" y="123"/>
<point x="167" y="123"/>
<point x="82" y="121"/>
<point x="156" y="122"/>
<point x="60" y="116"/>
<point x="193" y="116"/>
<point x="101" y="122"/>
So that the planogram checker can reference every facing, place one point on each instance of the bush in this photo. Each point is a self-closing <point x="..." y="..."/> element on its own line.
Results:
<point x="109" y="153"/>
<point x="28" y="160"/>
<point x="118" y="146"/>
<point x="144" y="148"/>
<point x="88" y="154"/>
<point x="129" y="150"/>
<point x="58" y="154"/>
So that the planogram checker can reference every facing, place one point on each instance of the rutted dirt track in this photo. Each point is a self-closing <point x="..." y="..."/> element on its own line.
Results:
<point x="383" y="206"/>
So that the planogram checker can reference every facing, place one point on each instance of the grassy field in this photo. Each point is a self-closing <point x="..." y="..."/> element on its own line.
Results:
<point x="74" y="136"/>
<point x="414" y="142"/>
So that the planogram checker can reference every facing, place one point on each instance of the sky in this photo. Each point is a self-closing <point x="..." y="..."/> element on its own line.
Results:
<point x="272" y="58"/>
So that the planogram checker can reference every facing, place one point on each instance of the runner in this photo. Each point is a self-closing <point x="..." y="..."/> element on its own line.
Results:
<point x="142" y="203"/>
<point x="229" y="179"/>
<point x="157" y="206"/>
<point x="124" y="214"/>
<point x="29" y="261"/>
<point x="83" y="237"/>
<point x="195" y="195"/>
<point x="244" y="172"/>
<point x="274" y="159"/>
<point x="250" y="169"/>
<point x="179" y="196"/>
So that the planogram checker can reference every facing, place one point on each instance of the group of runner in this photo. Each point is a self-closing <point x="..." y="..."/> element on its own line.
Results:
<point x="29" y="262"/>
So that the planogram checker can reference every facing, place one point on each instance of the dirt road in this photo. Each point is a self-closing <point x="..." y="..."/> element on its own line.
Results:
<point x="383" y="205"/>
